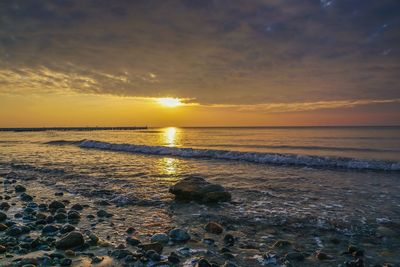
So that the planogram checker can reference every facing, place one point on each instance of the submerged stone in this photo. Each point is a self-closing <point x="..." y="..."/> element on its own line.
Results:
<point x="72" y="240"/>
<point x="198" y="189"/>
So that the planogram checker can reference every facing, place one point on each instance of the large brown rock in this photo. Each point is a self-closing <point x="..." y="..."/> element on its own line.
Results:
<point x="198" y="189"/>
<point x="72" y="240"/>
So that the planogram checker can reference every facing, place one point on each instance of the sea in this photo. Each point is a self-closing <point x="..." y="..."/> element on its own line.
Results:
<point x="323" y="177"/>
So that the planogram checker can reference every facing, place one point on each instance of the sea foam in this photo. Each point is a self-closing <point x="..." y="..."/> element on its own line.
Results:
<point x="254" y="157"/>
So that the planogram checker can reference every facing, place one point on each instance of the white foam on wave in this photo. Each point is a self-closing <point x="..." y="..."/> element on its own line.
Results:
<point x="255" y="157"/>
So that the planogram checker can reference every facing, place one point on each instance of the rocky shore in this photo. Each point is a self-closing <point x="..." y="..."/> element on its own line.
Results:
<point x="52" y="228"/>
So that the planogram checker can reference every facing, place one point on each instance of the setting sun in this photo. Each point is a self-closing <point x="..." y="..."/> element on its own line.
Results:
<point x="170" y="102"/>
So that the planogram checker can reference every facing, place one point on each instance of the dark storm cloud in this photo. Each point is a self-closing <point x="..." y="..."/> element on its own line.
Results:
<point x="214" y="51"/>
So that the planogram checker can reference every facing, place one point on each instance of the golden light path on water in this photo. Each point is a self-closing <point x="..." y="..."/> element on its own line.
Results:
<point x="168" y="165"/>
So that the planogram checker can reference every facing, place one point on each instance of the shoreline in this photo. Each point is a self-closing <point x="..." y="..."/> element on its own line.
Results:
<point x="231" y="242"/>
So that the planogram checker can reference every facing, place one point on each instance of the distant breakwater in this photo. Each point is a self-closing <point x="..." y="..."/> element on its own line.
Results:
<point x="71" y="129"/>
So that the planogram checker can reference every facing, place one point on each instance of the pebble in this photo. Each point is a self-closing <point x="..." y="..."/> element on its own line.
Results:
<point x="66" y="228"/>
<point x="97" y="259"/>
<point x="65" y="262"/>
<point x="179" y="235"/>
<point x="55" y="205"/>
<point x="297" y="256"/>
<point x="132" y="241"/>
<point x="25" y="197"/>
<point x="229" y="240"/>
<point x="72" y="240"/>
<point x="152" y="246"/>
<point x="19" y="188"/>
<point x="174" y="258"/>
<point x="73" y="215"/>
<point x="322" y="256"/>
<point x="282" y="243"/>
<point x="160" y="238"/>
<point x="3" y="216"/>
<point x="214" y="228"/>
<point x="203" y="263"/>
<point x="70" y="253"/>
<point x="130" y="230"/>
<point x="3" y="227"/>
<point x="50" y="229"/>
<point x="3" y="249"/>
<point x="4" y="206"/>
<point x="77" y="207"/>
<point x="103" y="214"/>
<point x="120" y="253"/>
<point x="60" y="216"/>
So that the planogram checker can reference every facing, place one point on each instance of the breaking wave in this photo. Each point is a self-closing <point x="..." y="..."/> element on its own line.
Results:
<point x="254" y="157"/>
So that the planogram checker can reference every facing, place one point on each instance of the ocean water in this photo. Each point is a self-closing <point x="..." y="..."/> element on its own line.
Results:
<point x="325" y="177"/>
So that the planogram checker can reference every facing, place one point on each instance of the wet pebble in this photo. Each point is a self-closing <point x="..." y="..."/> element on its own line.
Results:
<point x="214" y="228"/>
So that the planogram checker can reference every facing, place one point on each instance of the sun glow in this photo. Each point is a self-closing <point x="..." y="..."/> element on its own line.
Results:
<point x="170" y="102"/>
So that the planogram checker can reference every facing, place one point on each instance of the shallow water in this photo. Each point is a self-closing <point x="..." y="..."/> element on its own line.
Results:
<point x="353" y="202"/>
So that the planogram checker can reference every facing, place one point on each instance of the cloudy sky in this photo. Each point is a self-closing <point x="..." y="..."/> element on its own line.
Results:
<point x="234" y="62"/>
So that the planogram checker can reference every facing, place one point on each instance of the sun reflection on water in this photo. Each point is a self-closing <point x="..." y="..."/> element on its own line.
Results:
<point x="170" y="136"/>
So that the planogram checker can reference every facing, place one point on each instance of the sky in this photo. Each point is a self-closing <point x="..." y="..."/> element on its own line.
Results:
<point x="229" y="62"/>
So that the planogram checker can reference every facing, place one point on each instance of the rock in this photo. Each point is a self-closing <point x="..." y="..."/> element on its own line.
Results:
<point x="152" y="246"/>
<point x="198" y="189"/>
<point x="103" y="203"/>
<point x="356" y="263"/>
<point x="3" y="227"/>
<point x="4" y="206"/>
<point x="97" y="259"/>
<point x="120" y="253"/>
<point x="42" y="207"/>
<point x="229" y="240"/>
<point x="70" y="253"/>
<point x="282" y="243"/>
<point x="179" y="235"/>
<point x="358" y="254"/>
<point x="130" y="230"/>
<point x="77" y="207"/>
<point x="351" y="249"/>
<point x="50" y="229"/>
<point x="94" y="239"/>
<point x="214" y="228"/>
<point x="3" y="216"/>
<point x="296" y="256"/>
<point x="19" y="188"/>
<point x="103" y="213"/>
<point x="25" y="197"/>
<point x="60" y="216"/>
<point x="41" y="216"/>
<point x="14" y="231"/>
<point x="322" y="256"/>
<point x="203" y="263"/>
<point x="153" y="255"/>
<point x="73" y="215"/>
<point x="65" y="262"/>
<point x="174" y="258"/>
<point x="55" y="205"/>
<point x="132" y="241"/>
<point x="49" y="219"/>
<point x="160" y="238"/>
<point x="3" y="249"/>
<point x="72" y="240"/>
